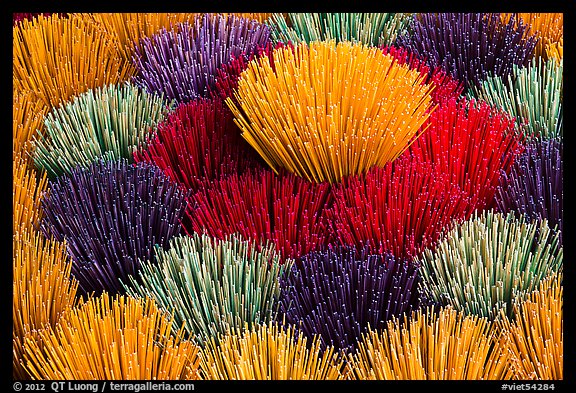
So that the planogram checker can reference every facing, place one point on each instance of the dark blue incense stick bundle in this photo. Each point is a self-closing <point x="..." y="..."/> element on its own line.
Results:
<point x="470" y="45"/>
<point x="111" y="215"/>
<point x="339" y="292"/>
<point x="534" y="185"/>
<point x="182" y="62"/>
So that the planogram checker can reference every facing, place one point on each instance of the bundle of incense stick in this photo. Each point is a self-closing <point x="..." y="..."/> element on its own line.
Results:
<point x="111" y="215"/>
<point x="213" y="286"/>
<point x="103" y="123"/>
<point x="182" y="62"/>
<point x="197" y="141"/>
<point x="534" y="187"/>
<point x="533" y="95"/>
<point x="486" y="263"/>
<point x="112" y="338"/>
<point x="337" y="294"/>
<point x="327" y="110"/>
<point x="470" y="45"/>
<point x="57" y="58"/>
<point x="282" y="209"/>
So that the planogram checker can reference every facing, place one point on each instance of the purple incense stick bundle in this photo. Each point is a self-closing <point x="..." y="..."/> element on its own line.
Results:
<point x="470" y="46"/>
<point x="182" y="63"/>
<point x="111" y="215"/>
<point x="534" y="185"/>
<point x="339" y="292"/>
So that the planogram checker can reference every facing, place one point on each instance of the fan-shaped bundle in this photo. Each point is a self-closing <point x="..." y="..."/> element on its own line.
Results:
<point x="548" y="27"/>
<point x="473" y="143"/>
<point x="470" y="46"/>
<point x="534" y="186"/>
<point x="103" y="123"/>
<point x="57" y="58"/>
<point x="43" y="290"/>
<point x="533" y="94"/>
<point x="182" y="62"/>
<point x="112" y="338"/>
<point x="284" y="210"/>
<point x="268" y="352"/>
<point x="338" y="293"/>
<point x="111" y="215"/>
<point x="370" y="28"/>
<point x="431" y="344"/>
<point x="534" y="337"/>
<point x="196" y="141"/>
<point x="397" y="209"/>
<point x="326" y="110"/>
<point x="212" y="285"/>
<point x="484" y="264"/>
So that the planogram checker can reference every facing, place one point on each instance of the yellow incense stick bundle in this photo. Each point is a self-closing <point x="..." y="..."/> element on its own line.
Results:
<point x="120" y="338"/>
<point x="57" y="57"/>
<point x="43" y="289"/>
<point x="534" y="336"/>
<point x="326" y="110"/>
<point x="268" y="352"/>
<point x="438" y="345"/>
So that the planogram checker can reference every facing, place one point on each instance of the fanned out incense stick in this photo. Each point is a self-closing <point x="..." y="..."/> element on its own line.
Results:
<point x="28" y="187"/>
<point x="473" y="143"/>
<point x="430" y="345"/>
<point x="326" y="110"/>
<point x="533" y="94"/>
<point x="103" y="123"/>
<point x="112" y="338"/>
<point x="268" y="352"/>
<point x="373" y="29"/>
<point x="197" y="141"/>
<point x="470" y="46"/>
<point x="337" y="294"/>
<point x="27" y="117"/>
<point x="534" y="187"/>
<point x="483" y="264"/>
<point x="548" y="27"/>
<point x="111" y="215"/>
<point x="534" y="338"/>
<point x="57" y="58"/>
<point x="182" y="62"/>
<point x="43" y="290"/>
<point x="212" y="285"/>
<point x="281" y="209"/>
<point x="398" y="209"/>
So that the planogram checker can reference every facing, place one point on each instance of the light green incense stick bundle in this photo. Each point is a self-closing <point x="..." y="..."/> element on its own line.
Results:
<point x="107" y="122"/>
<point x="374" y="29"/>
<point x="532" y="94"/>
<point x="213" y="285"/>
<point x="487" y="262"/>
